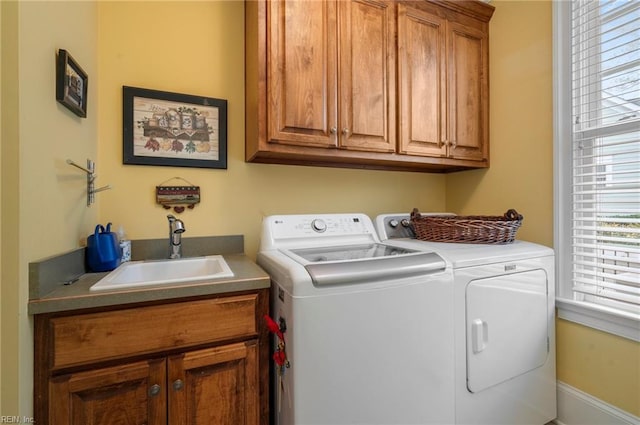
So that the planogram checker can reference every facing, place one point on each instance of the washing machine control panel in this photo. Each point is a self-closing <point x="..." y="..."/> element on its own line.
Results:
<point x="317" y="226"/>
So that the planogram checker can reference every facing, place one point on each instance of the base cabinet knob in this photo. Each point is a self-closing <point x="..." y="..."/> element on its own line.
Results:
<point x="178" y="385"/>
<point x="154" y="390"/>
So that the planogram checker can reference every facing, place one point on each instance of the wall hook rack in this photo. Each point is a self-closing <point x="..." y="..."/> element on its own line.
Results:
<point x="91" y="178"/>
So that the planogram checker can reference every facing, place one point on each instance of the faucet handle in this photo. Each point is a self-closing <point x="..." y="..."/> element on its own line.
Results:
<point x="175" y="224"/>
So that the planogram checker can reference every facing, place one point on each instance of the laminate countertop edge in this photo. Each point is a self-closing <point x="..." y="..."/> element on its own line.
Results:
<point x="247" y="276"/>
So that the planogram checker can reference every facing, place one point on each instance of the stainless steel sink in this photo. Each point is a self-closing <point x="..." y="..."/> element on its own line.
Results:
<point x="142" y="273"/>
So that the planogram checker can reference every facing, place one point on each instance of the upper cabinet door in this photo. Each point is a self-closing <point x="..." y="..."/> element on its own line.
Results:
<point x="367" y="81"/>
<point x="422" y="82"/>
<point x="302" y="73"/>
<point x="468" y="92"/>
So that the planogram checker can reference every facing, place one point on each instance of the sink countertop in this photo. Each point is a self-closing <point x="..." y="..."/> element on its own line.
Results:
<point x="247" y="276"/>
<point x="48" y="294"/>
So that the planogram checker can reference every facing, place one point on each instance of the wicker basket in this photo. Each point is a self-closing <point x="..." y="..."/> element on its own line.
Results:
<point x="467" y="229"/>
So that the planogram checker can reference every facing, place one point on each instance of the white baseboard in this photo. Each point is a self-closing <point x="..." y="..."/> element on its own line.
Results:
<point x="579" y="408"/>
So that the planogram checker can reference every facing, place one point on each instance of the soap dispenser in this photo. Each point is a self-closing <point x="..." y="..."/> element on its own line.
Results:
<point x="125" y="245"/>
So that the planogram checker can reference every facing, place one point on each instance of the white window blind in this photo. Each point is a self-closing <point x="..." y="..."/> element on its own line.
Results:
<point x="605" y="70"/>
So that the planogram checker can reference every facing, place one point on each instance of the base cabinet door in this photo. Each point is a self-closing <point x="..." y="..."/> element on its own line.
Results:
<point x="215" y="386"/>
<point x="130" y="394"/>
<point x="219" y="385"/>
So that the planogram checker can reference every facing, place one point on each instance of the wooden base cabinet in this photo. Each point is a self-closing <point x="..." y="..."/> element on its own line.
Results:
<point x="382" y="84"/>
<point x="222" y="380"/>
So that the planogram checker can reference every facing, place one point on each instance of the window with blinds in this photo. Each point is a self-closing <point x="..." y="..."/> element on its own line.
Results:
<point x="605" y="72"/>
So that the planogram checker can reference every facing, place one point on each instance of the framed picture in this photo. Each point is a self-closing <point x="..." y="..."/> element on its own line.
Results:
<point x="163" y="128"/>
<point x="71" y="84"/>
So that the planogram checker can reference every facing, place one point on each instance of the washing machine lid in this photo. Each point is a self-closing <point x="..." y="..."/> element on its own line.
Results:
<point x="349" y="264"/>
<point x="350" y="252"/>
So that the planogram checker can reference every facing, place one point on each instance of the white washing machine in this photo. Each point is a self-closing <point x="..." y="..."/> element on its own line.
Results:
<point x="504" y="313"/>
<point x="367" y="327"/>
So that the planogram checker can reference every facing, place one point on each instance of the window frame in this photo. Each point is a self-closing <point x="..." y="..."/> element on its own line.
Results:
<point x="617" y="322"/>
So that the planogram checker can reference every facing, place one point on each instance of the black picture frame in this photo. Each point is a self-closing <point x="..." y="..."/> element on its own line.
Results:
<point x="173" y="129"/>
<point x="71" y="84"/>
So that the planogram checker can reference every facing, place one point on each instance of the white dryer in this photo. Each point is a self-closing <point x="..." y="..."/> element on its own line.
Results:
<point x="504" y="330"/>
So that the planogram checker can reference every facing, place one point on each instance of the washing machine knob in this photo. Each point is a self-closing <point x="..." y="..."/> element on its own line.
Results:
<point x="405" y="222"/>
<point x="319" y="225"/>
<point x="393" y="223"/>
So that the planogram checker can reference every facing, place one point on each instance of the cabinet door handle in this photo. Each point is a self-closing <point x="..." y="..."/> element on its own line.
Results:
<point x="178" y="385"/>
<point x="154" y="390"/>
<point x="334" y="130"/>
<point x="453" y="144"/>
<point x="345" y="131"/>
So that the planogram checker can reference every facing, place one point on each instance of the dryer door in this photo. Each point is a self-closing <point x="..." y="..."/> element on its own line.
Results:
<point x="507" y="329"/>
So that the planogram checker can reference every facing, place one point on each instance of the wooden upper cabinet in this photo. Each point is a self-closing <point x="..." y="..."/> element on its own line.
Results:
<point x="331" y="79"/>
<point x="443" y="84"/>
<point x="383" y="84"/>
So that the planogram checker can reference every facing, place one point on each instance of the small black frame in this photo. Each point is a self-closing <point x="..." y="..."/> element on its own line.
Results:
<point x="71" y="84"/>
<point x="173" y="129"/>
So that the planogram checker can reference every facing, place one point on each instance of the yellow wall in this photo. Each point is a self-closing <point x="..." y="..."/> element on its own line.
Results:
<point x="197" y="48"/>
<point x="600" y="364"/>
<point x="521" y="177"/>
<point x="9" y="300"/>
<point x="1" y="126"/>
<point x="43" y="199"/>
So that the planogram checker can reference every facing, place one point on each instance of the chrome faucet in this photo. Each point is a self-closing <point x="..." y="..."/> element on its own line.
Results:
<point x="176" y="229"/>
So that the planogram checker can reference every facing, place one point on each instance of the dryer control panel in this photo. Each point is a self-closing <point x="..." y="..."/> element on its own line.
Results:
<point x="394" y="226"/>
